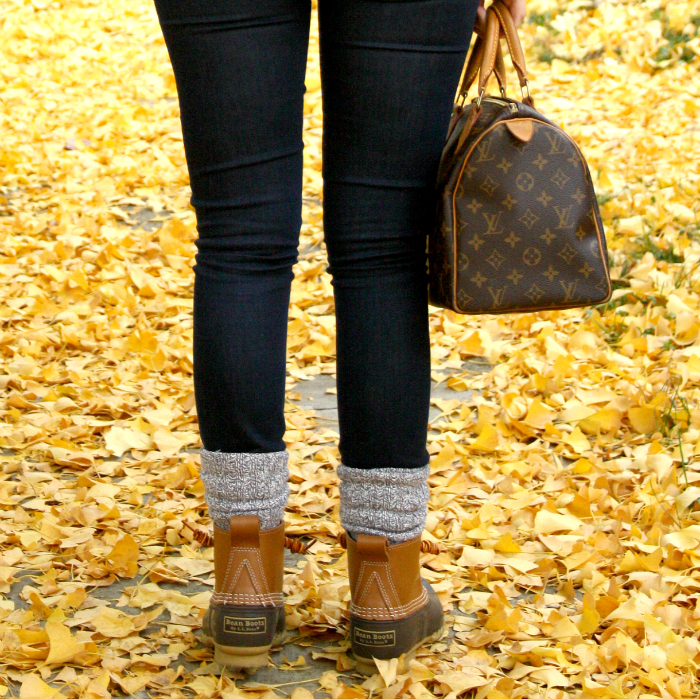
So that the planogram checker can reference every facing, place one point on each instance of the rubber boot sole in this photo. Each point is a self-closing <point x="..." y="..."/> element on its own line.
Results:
<point x="367" y="666"/>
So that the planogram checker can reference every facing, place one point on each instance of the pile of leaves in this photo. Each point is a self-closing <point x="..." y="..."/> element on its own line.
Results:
<point x="564" y="489"/>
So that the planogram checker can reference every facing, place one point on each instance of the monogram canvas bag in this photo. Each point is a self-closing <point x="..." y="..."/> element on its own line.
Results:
<point x="518" y="226"/>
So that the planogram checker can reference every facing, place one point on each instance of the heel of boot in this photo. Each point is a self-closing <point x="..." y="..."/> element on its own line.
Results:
<point x="246" y="657"/>
<point x="242" y="635"/>
<point x="385" y="640"/>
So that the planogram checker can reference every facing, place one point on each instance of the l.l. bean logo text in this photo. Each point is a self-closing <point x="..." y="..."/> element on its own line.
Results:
<point x="233" y="624"/>
<point x="365" y="637"/>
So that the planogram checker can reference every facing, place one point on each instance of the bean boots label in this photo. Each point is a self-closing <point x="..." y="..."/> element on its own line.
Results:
<point x="234" y="624"/>
<point x="374" y="638"/>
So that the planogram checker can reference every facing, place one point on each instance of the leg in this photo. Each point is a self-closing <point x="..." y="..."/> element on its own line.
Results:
<point x="239" y="69"/>
<point x="389" y="72"/>
<point x="389" y="75"/>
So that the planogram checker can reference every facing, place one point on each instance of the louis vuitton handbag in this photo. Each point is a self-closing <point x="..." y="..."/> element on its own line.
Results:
<point x="518" y="226"/>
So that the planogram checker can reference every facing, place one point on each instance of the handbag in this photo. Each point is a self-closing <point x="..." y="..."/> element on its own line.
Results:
<point x="517" y="226"/>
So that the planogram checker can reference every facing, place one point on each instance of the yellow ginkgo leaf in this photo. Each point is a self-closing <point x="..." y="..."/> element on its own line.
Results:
<point x="506" y="544"/>
<point x="547" y="522"/>
<point x="123" y="558"/>
<point x="605" y="420"/>
<point x="539" y="415"/>
<point x="33" y="687"/>
<point x="644" y="419"/>
<point x="590" y="619"/>
<point x="487" y="440"/>
<point x="577" y="441"/>
<point x="62" y="646"/>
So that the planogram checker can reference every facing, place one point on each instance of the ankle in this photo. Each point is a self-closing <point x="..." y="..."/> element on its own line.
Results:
<point x="390" y="502"/>
<point x="245" y="484"/>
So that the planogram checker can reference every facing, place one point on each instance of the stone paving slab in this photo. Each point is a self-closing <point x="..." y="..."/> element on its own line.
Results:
<point x="318" y="394"/>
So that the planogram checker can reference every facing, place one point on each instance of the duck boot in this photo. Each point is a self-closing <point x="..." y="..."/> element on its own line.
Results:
<point x="392" y="609"/>
<point x="246" y="613"/>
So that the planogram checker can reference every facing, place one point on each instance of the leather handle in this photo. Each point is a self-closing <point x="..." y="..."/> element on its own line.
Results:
<point x="492" y="37"/>
<point x="514" y="46"/>
<point x="474" y="64"/>
<point x="499" y="22"/>
<point x="475" y="59"/>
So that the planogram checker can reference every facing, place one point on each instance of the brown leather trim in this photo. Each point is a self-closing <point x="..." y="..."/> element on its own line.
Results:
<point x="454" y="227"/>
<point x="522" y="129"/>
<point x="244" y="531"/>
<point x="249" y="563"/>
<point x="468" y="125"/>
<point x="385" y="579"/>
<point x="374" y="548"/>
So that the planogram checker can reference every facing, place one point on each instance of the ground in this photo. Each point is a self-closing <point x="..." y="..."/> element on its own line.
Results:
<point x="564" y="445"/>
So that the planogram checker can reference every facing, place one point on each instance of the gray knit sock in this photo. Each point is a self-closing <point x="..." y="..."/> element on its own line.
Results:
<point x="244" y="484"/>
<point x="391" y="502"/>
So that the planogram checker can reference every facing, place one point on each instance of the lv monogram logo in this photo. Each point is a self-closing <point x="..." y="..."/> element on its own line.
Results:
<point x="567" y="253"/>
<point x="544" y="198"/>
<point x="515" y="276"/>
<point x="586" y="269"/>
<point x="509" y="201"/>
<point x="492" y="222"/>
<point x="540" y="161"/>
<point x="513" y="239"/>
<point x="563" y="214"/>
<point x="548" y="236"/>
<point x="579" y="196"/>
<point x="555" y="142"/>
<point x="505" y="165"/>
<point x="463" y="297"/>
<point x="474" y="205"/>
<point x="483" y="152"/>
<point x="560" y="178"/>
<point x="569" y="289"/>
<point x="532" y="256"/>
<point x="497" y="295"/>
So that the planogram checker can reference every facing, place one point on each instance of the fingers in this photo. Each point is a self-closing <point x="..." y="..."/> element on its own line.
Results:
<point x="480" y="14"/>
<point x="517" y="10"/>
<point x="516" y="7"/>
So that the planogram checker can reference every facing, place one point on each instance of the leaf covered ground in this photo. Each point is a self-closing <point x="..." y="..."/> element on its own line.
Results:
<point x="564" y="491"/>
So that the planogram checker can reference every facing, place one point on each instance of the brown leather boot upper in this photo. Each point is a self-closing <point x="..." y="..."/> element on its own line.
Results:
<point x="385" y="581"/>
<point x="248" y="563"/>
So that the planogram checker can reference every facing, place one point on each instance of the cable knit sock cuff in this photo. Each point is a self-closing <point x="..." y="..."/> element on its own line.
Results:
<point x="244" y="484"/>
<point x="391" y="502"/>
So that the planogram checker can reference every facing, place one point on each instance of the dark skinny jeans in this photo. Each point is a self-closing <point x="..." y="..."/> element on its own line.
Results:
<point x="389" y="72"/>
